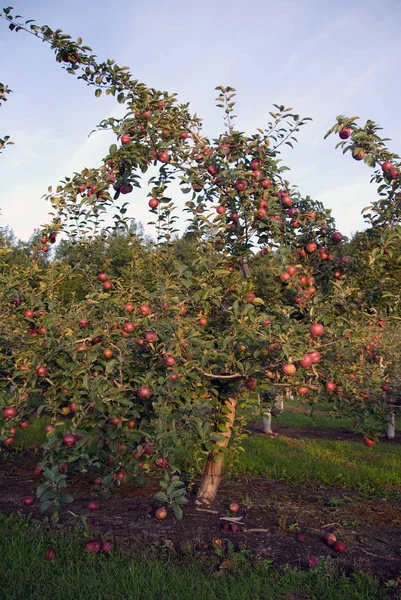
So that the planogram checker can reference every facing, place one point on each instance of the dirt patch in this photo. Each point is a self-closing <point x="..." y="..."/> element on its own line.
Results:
<point x="272" y="514"/>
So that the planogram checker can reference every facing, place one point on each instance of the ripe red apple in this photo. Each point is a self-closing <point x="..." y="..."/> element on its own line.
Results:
<point x="387" y="166"/>
<point x="107" y="547"/>
<point x="344" y="133"/>
<point x="69" y="440"/>
<point x="9" y="412"/>
<point x="291" y="271"/>
<point x="51" y="554"/>
<point x="301" y="537"/>
<point x="337" y="237"/>
<point x="255" y="164"/>
<point x="9" y="441"/>
<point x="284" y="277"/>
<point x="23" y="424"/>
<point x="50" y="428"/>
<point x="93" y="546"/>
<point x="108" y="353"/>
<point x="94" y="505"/>
<point x="153" y="203"/>
<point x="289" y="369"/>
<point x="311" y="247"/>
<point x="330" y="386"/>
<point x="128" y="327"/>
<point x="184" y="135"/>
<point x="107" y="285"/>
<point x="144" y="392"/>
<point x="102" y="277"/>
<point x="306" y="361"/>
<point x="233" y="507"/>
<point x="339" y="547"/>
<point x="41" y="371"/>
<point x="161" y="513"/>
<point x="250" y="297"/>
<point x="221" y="209"/>
<point x="241" y="185"/>
<point x="151" y="337"/>
<point x="368" y="442"/>
<point x="316" y="330"/>
<point x="164" y="157"/>
<point x="29" y="500"/>
<point x="202" y="321"/>
<point x="234" y="527"/>
<point x="145" y="310"/>
<point x="302" y="390"/>
<point x="38" y="471"/>
<point x="251" y="384"/>
<point x="98" y="481"/>
<point x="265" y="184"/>
<point x="330" y="539"/>
<point x="311" y="562"/>
<point x="29" y="314"/>
<point x="125" y="139"/>
<point x="315" y="356"/>
<point x="169" y="360"/>
<point x="83" y="323"/>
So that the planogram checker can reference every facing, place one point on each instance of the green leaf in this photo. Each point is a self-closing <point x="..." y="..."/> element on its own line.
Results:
<point x="177" y="511"/>
<point x="161" y="497"/>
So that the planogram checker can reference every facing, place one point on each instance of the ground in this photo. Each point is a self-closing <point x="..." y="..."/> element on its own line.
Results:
<point x="367" y="518"/>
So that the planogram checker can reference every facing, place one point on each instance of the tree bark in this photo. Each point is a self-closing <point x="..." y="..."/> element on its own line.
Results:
<point x="267" y="422"/>
<point x="213" y="471"/>
<point x="390" y="433"/>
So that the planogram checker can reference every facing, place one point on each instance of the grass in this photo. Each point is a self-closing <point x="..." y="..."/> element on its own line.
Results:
<point x="348" y="464"/>
<point x="26" y="575"/>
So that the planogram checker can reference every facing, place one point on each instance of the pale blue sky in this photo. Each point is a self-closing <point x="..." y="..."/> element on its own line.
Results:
<point x="321" y="57"/>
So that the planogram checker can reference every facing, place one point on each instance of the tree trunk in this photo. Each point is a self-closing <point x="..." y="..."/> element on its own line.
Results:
<point x="390" y="433"/>
<point x="213" y="471"/>
<point x="267" y="422"/>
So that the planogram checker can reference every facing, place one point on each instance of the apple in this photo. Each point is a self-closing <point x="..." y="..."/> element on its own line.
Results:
<point x="161" y="513"/>
<point x="221" y="209"/>
<point x="107" y="547"/>
<point x="29" y="500"/>
<point x="9" y="441"/>
<point x="302" y="390"/>
<point x="315" y="356"/>
<point x="108" y="353"/>
<point x="212" y="170"/>
<point x="51" y="554"/>
<point x="255" y="164"/>
<point x="184" y="135"/>
<point x="29" y="314"/>
<point x="241" y="185"/>
<point x="330" y="386"/>
<point x="339" y="547"/>
<point x="233" y="507"/>
<point x="301" y="538"/>
<point x="162" y="462"/>
<point x="330" y="539"/>
<point x="344" y="133"/>
<point x="151" y="337"/>
<point x="126" y="189"/>
<point x="311" y="247"/>
<point x="23" y="424"/>
<point x="13" y="430"/>
<point x="38" y="471"/>
<point x="289" y="369"/>
<point x="125" y="139"/>
<point x="49" y="428"/>
<point x="102" y="277"/>
<point x="9" y="412"/>
<point x="337" y="237"/>
<point x="358" y="154"/>
<point x="306" y="361"/>
<point x="144" y="392"/>
<point x="202" y="321"/>
<point x="251" y="384"/>
<point x="153" y="203"/>
<point x="169" y="361"/>
<point x="387" y="166"/>
<point x="369" y="442"/>
<point x="291" y="271"/>
<point x="97" y="481"/>
<point x="83" y="323"/>
<point x="93" y="546"/>
<point x="316" y="330"/>
<point x="107" y="285"/>
<point x="41" y="371"/>
<point x="284" y="277"/>
<point x="265" y="184"/>
<point x="234" y="527"/>
<point x="311" y="562"/>
<point x="145" y="310"/>
<point x="250" y="297"/>
<point x="94" y="505"/>
<point x="69" y="440"/>
<point x="128" y="327"/>
<point x="163" y="157"/>
<point x="120" y="476"/>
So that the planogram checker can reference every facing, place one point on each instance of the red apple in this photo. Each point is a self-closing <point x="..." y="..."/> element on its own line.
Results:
<point x="69" y="440"/>
<point x="94" y="505"/>
<point x="387" y="166"/>
<point x="330" y="386"/>
<point x="102" y="277"/>
<point x="221" y="209"/>
<point x="51" y="554"/>
<point x="9" y="412"/>
<point x="153" y="203"/>
<point x="289" y="369"/>
<point x="128" y="327"/>
<point x="107" y="547"/>
<point x="41" y="371"/>
<point x="164" y="157"/>
<point x="29" y="500"/>
<point x="233" y="507"/>
<point x="369" y="442"/>
<point x="344" y="133"/>
<point x="330" y="539"/>
<point x="161" y="513"/>
<point x="93" y="546"/>
<point x="301" y="537"/>
<point x="316" y="330"/>
<point x="145" y="310"/>
<point x="125" y="139"/>
<point x="23" y="424"/>
<point x="337" y="237"/>
<point x="29" y="314"/>
<point x="339" y="547"/>
<point x="144" y="392"/>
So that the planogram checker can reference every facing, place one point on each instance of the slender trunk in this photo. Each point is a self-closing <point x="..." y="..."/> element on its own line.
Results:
<point x="213" y="471"/>
<point x="390" y="432"/>
<point x="267" y="422"/>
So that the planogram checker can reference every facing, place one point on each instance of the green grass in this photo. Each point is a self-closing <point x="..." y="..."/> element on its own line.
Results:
<point x="349" y="464"/>
<point x="76" y="575"/>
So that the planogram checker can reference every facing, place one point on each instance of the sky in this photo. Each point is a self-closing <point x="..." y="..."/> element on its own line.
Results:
<point x="320" y="57"/>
